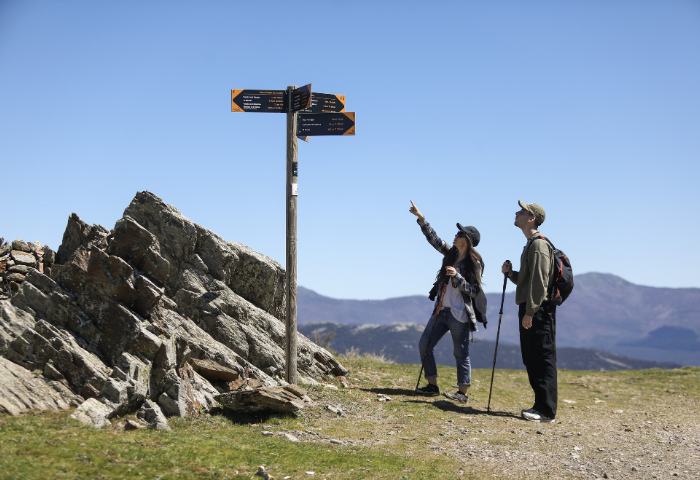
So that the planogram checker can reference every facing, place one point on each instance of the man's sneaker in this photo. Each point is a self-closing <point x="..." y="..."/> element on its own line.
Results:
<point x="429" y="389"/>
<point x="535" y="416"/>
<point x="529" y="410"/>
<point x="457" y="396"/>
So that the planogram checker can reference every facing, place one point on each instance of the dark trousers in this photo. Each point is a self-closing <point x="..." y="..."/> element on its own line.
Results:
<point x="538" y="347"/>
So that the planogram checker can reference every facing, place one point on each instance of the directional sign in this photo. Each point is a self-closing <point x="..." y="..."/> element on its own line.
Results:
<point x="315" y="124"/>
<point x="325" y="103"/>
<point x="301" y="98"/>
<point x="258" y="101"/>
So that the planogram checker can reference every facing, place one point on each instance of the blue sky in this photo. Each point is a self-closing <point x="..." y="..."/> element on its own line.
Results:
<point x="589" y="108"/>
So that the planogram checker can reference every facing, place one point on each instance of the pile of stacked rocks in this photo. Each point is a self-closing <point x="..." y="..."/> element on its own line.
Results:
<point x="17" y="258"/>
<point x="158" y="316"/>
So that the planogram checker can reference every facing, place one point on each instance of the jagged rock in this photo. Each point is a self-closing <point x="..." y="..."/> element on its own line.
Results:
<point x="36" y="249"/>
<point x="152" y="414"/>
<point x="20" y="245"/>
<point x="133" y="315"/>
<point x="244" y="382"/>
<point x="259" y="279"/>
<point x="15" y="277"/>
<point x="131" y="425"/>
<point x="139" y="247"/>
<point x="5" y="249"/>
<point x="49" y="255"/>
<point x="92" y="412"/>
<point x="212" y="371"/>
<point x="22" y="258"/>
<point x="276" y="399"/>
<point x="79" y="234"/>
<point x="20" y="389"/>
<point x="186" y="393"/>
<point x="296" y="390"/>
<point x="23" y="269"/>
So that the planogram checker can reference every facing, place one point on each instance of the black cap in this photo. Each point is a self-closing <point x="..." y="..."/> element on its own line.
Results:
<point x="472" y="233"/>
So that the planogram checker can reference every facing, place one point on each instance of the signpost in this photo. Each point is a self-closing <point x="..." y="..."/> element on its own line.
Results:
<point x="326" y="103"/>
<point x="258" y="101"/>
<point x="316" y="124"/>
<point x="322" y="116"/>
<point x="301" y="98"/>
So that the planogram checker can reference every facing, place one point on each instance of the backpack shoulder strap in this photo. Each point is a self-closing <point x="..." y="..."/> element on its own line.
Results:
<point x="542" y="237"/>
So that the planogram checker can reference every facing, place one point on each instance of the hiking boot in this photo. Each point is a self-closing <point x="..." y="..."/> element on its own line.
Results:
<point x="457" y="396"/>
<point x="535" y="416"/>
<point x="429" y="389"/>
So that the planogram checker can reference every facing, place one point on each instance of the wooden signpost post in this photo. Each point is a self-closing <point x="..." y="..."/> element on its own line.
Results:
<point x="308" y="114"/>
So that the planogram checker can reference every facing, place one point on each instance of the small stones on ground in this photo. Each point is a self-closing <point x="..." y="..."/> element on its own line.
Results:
<point x="540" y="432"/>
<point x="290" y="437"/>
<point x="628" y="429"/>
<point x="310" y="473"/>
<point x="343" y="382"/>
<point x="131" y="425"/>
<point x="598" y="400"/>
<point x="568" y="401"/>
<point x="618" y="411"/>
<point x="634" y="469"/>
<point x="336" y="410"/>
<point x="383" y="398"/>
<point x="262" y="472"/>
<point x="267" y="434"/>
<point x="337" y="442"/>
<point x="329" y="387"/>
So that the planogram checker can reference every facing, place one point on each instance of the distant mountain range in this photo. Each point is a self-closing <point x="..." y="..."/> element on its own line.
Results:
<point x="399" y="341"/>
<point x="604" y="312"/>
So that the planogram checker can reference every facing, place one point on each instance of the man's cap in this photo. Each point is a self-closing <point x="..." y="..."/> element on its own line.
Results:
<point x="472" y="233"/>
<point x="534" y="209"/>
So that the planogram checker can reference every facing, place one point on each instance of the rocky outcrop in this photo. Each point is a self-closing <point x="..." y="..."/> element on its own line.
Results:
<point x="17" y="259"/>
<point x="158" y="311"/>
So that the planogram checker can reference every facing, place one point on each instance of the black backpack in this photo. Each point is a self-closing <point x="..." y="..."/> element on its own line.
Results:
<point x="563" y="282"/>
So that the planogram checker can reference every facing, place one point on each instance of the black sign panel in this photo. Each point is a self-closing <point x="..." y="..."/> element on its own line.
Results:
<point x="258" y="101"/>
<point x="316" y="124"/>
<point x="301" y="98"/>
<point x="325" y="103"/>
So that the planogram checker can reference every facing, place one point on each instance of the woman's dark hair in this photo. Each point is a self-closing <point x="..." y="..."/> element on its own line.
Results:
<point x="471" y="260"/>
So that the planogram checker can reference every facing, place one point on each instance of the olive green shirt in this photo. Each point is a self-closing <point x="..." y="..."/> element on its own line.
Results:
<point x="535" y="275"/>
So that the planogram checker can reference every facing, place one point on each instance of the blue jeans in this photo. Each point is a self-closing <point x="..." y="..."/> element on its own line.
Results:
<point x="460" y="340"/>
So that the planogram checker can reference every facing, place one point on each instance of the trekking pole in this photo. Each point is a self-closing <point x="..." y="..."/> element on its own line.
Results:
<point x="432" y="331"/>
<point x="498" y="334"/>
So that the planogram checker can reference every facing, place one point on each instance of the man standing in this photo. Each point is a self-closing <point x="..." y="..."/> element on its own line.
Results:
<point x="537" y="316"/>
